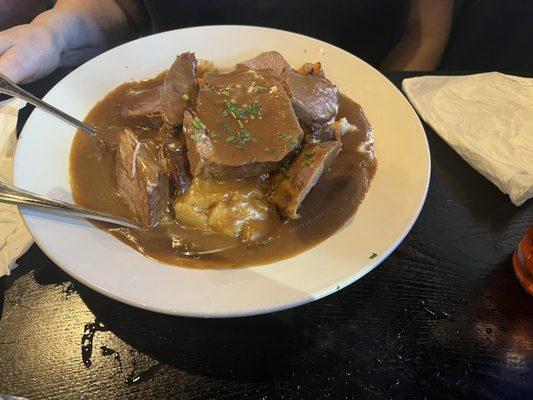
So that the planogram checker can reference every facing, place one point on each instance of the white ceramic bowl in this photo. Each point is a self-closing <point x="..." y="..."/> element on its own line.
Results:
<point x="105" y="264"/>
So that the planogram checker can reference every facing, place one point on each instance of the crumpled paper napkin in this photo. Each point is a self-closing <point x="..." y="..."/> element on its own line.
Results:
<point x="14" y="237"/>
<point x="488" y="119"/>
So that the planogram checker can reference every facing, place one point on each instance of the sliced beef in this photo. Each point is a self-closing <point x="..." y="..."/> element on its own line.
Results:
<point x="143" y="102"/>
<point x="112" y="137"/>
<point x="141" y="178"/>
<point x="174" y="151"/>
<point x="271" y="60"/>
<point x="314" y="98"/>
<point x="179" y="89"/>
<point x="243" y="126"/>
<point x="291" y="185"/>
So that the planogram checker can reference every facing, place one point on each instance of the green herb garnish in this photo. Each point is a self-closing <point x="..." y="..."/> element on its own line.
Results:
<point x="240" y="139"/>
<point x="225" y="93"/>
<point x="184" y="97"/>
<point x="194" y="137"/>
<point x="373" y="255"/>
<point x="259" y="89"/>
<point x="198" y="124"/>
<point x="251" y="110"/>
<point x="290" y="140"/>
<point x="254" y="110"/>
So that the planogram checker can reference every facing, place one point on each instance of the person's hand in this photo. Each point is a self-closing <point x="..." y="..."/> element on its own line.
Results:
<point x="29" y="52"/>
<point x="67" y="35"/>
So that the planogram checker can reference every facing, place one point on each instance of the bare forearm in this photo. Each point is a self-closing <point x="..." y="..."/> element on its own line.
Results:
<point x="419" y="55"/>
<point x="424" y="41"/>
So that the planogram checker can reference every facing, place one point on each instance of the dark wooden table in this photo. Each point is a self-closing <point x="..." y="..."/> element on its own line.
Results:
<point x="442" y="317"/>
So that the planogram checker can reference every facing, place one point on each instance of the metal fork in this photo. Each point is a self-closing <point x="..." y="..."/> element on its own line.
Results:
<point x="9" y="87"/>
<point x="13" y="195"/>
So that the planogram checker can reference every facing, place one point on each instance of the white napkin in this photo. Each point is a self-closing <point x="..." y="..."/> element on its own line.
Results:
<point x="14" y="237"/>
<point x="487" y="119"/>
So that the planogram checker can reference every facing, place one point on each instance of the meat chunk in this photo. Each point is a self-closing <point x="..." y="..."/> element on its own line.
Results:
<point x="179" y="89"/>
<point x="290" y="187"/>
<point x="111" y="138"/>
<point x="174" y="151"/>
<point x="314" y="98"/>
<point x="271" y="60"/>
<point x="144" y="102"/>
<point x="244" y="126"/>
<point x="141" y="178"/>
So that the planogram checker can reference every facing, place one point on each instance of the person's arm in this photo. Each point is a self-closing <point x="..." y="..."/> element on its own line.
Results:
<point x="70" y="33"/>
<point x="425" y="38"/>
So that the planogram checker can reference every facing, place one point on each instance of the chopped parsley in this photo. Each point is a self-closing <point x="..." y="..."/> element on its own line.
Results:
<point x="259" y="89"/>
<point x="198" y="124"/>
<point x="254" y="110"/>
<point x="224" y="93"/>
<point x="373" y="255"/>
<point x="195" y="137"/>
<point x="251" y="110"/>
<point x="308" y="157"/>
<point x="290" y="140"/>
<point x="184" y="97"/>
<point x="240" y="139"/>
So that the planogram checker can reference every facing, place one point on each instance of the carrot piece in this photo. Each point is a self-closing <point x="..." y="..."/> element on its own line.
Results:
<point x="317" y="68"/>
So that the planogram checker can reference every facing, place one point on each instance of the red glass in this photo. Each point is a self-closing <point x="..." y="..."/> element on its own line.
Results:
<point x="523" y="261"/>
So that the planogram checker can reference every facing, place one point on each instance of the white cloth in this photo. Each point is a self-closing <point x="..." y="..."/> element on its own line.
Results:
<point x="14" y="237"/>
<point x="488" y="119"/>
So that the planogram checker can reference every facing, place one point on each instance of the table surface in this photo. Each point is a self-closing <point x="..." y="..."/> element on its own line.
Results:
<point x="442" y="317"/>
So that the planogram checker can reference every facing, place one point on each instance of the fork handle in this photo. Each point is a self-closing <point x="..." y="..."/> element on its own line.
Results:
<point x="13" y="195"/>
<point x="9" y="87"/>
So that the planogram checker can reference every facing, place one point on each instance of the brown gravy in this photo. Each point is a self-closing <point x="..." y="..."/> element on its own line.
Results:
<point x="329" y="205"/>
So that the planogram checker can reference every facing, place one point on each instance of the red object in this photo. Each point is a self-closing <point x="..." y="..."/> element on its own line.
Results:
<point x="523" y="261"/>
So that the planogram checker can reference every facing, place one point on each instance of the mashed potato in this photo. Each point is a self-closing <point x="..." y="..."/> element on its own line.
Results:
<point x="233" y="208"/>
